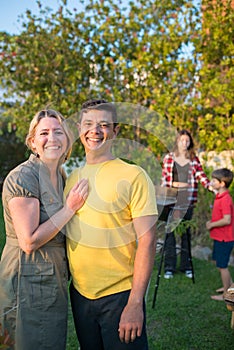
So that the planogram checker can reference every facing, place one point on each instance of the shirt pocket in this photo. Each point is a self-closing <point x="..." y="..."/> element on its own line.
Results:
<point x="49" y="205"/>
<point x="38" y="285"/>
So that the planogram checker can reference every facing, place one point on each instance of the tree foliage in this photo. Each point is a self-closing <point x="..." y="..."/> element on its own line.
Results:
<point x="174" y="58"/>
<point x="12" y="150"/>
<point x="215" y="83"/>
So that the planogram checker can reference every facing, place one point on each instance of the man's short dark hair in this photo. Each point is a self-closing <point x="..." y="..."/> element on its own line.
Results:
<point x="224" y="175"/>
<point x="101" y="105"/>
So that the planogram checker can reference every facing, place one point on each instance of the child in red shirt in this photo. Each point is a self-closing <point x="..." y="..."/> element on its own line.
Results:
<point x="221" y="225"/>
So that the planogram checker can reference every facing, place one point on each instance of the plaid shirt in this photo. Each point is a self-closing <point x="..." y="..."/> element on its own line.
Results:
<point x="195" y="175"/>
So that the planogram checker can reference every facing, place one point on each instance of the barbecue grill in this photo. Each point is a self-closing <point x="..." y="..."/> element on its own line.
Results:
<point x="166" y="198"/>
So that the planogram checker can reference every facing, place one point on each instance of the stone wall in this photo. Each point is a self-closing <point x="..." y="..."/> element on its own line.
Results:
<point x="224" y="159"/>
<point x="205" y="253"/>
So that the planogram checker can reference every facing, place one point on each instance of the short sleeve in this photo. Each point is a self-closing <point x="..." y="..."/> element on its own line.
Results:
<point x="21" y="183"/>
<point x="227" y="206"/>
<point x="143" y="200"/>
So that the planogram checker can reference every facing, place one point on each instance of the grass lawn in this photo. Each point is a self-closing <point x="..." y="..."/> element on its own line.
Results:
<point x="184" y="317"/>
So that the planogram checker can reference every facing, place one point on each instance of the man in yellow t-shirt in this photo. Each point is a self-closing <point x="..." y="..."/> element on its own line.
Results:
<point x="111" y="240"/>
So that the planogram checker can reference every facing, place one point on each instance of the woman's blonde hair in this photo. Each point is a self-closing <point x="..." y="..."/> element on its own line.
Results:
<point x="49" y="113"/>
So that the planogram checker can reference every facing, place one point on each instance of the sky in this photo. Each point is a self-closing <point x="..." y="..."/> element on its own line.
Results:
<point x="10" y="10"/>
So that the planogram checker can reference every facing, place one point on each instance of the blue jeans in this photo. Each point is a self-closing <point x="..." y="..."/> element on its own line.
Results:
<point x="97" y="322"/>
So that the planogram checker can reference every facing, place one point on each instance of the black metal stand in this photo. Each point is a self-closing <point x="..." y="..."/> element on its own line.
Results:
<point x="167" y="231"/>
<point x="190" y="259"/>
<point x="160" y="268"/>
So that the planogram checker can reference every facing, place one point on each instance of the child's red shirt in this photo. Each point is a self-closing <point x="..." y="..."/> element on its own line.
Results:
<point x="223" y="205"/>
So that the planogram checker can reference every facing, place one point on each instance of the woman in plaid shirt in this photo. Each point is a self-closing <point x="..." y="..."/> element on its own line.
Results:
<point x="182" y="170"/>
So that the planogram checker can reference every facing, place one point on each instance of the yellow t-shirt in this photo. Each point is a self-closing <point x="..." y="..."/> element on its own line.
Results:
<point x="101" y="240"/>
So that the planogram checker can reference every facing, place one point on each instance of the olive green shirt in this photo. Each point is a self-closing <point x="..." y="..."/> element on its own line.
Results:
<point x="33" y="289"/>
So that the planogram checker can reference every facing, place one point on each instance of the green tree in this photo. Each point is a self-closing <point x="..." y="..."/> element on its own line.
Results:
<point x="214" y="97"/>
<point x="151" y="53"/>
<point x="44" y="65"/>
<point x="12" y="150"/>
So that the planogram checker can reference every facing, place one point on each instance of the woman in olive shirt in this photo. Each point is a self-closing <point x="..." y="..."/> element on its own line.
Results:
<point x="33" y="268"/>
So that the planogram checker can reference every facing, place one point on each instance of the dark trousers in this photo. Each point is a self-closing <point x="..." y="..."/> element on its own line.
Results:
<point x="170" y="259"/>
<point x="97" y="322"/>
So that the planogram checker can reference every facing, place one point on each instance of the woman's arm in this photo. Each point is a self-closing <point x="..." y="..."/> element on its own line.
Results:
<point x="167" y="166"/>
<point x="25" y="213"/>
<point x="200" y="175"/>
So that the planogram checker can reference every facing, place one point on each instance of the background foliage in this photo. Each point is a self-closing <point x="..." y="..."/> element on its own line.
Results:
<point x="173" y="57"/>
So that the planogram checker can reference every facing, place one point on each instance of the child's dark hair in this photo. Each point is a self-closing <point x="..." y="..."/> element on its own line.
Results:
<point x="102" y="105"/>
<point x="224" y="175"/>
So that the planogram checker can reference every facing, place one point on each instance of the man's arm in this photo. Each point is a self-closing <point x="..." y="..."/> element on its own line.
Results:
<point x="131" y="320"/>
